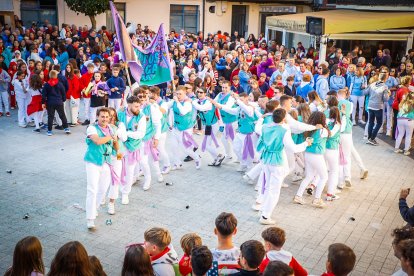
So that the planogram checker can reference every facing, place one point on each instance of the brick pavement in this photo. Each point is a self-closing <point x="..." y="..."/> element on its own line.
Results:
<point x="48" y="177"/>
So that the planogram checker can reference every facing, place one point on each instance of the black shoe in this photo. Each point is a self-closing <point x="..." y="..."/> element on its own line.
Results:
<point x="188" y="159"/>
<point x="86" y="123"/>
<point x="374" y="142"/>
<point x="59" y="127"/>
<point x="37" y="130"/>
<point x="309" y="191"/>
<point x="195" y="149"/>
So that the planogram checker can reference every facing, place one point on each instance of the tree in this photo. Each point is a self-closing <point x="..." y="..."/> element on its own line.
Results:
<point x="89" y="8"/>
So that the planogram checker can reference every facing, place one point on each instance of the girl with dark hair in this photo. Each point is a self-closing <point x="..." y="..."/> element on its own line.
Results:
<point x="71" y="259"/>
<point x="63" y="58"/>
<point x="137" y="262"/>
<point x="34" y="109"/>
<point x="72" y="96"/>
<point x="98" y="92"/>
<point x="314" y="161"/>
<point x="96" y="266"/>
<point x="27" y="258"/>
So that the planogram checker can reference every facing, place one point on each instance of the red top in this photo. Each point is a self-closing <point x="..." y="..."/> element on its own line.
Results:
<point x="184" y="265"/>
<point x="74" y="88"/>
<point x="398" y="97"/>
<point x="84" y="81"/>
<point x="297" y="268"/>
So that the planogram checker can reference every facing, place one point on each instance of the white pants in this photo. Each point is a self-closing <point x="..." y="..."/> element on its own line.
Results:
<point x="299" y="163"/>
<point x="129" y="178"/>
<point x="180" y="148"/>
<point x="37" y="117"/>
<point x="115" y="103"/>
<point x="92" y="114"/>
<point x="274" y="176"/>
<point x="238" y="145"/>
<point x="357" y="158"/>
<point x="4" y="100"/>
<point x="72" y="111"/>
<point x="347" y="145"/>
<point x="332" y="163"/>
<point x="227" y="142"/>
<point x="404" y="127"/>
<point x="315" y="167"/>
<point x="254" y="172"/>
<point x="163" y="152"/>
<point x="360" y="100"/>
<point x="144" y="164"/>
<point x="22" y="116"/>
<point x="291" y="160"/>
<point x="86" y="107"/>
<point x="210" y="145"/>
<point x="114" y="187"/>
<point x="388" y="116"/>
<point x="98" y="179"/>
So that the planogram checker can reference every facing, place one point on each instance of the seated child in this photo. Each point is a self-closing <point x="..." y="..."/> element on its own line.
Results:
<point x="251" y="255"/>
<point x="188" y="242"/>
<point x="341" y="260"/>
<point x="201" y="260"/>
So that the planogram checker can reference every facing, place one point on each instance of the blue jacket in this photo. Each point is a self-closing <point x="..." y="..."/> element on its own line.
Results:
<point x="113" y="82"/>
<point x="406" y="212"/>
<point x="63" y="60"/>
<point x="336" y="83"/>
<point x="244" y="80"/>
<point x="53" y="95"/>
<point x="303" y="91"/>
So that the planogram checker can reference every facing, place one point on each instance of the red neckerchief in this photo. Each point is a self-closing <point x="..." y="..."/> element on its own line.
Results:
<point x="156" y="257"/>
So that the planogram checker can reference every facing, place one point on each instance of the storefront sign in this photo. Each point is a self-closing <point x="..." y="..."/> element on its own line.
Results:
<point x="278" y="9"/>
<point x="289" y="25"/>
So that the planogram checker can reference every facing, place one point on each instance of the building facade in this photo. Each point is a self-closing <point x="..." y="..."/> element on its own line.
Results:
<point x="190" y="15"/>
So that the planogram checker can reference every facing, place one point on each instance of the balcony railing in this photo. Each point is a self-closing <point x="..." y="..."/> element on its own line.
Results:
<point x="409" y="3"/>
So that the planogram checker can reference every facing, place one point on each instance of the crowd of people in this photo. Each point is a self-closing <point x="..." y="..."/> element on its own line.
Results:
<point x="276" y="111"/>
<point x="156" y="256"/>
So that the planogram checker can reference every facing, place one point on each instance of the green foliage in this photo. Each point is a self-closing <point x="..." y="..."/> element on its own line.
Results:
<point x="88" y="7"/>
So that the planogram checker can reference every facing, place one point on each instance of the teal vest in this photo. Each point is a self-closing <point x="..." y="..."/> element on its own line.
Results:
<point x="226" y="117"/>
<point x="332" y="142"/>
<point x="348" y="127"/>
<point x="150" y="130"/>
<point x="299" y="138"/>
<point x="208" y="117"/>
<point x="271" y="144"/>
<point x="268" y="119"/>
<point x="246" y="123"/>
<point x="319" y="144"/>
<point x="98" y="154"/>
<point x="182" y="122"/>
<point x="164" y="121"/>
<point x="131" y="144"/>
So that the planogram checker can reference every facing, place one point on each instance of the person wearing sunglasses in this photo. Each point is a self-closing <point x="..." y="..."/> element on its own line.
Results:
<point x="208" y="115"/>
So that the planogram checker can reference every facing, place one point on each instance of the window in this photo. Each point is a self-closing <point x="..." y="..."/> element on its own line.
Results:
<point x="38" y="11"/>
<point x="120" y="7"/>
<point x="184" y="17"/>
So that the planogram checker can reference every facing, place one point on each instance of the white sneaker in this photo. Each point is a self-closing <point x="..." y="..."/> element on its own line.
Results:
<point x="318" y="203"/>
<point x="248" y="179"/>
<point x="388" y="133"/>
<point x="353" y="123"/>
<point x="160" y="178"/>
<point x="284" y="185"/>
<point x="198" y="164"/>
<point x="103" y="201"/>
<point x="362" y="122"/>
<point x="177" y="167"/>
<point x="135" y="180"/>
<point x="331" y="197"/>
<point x="91" y="224"/>
<point x="380" y="131"/>
<point x="338" y="191"/>
<point x="267" y="221"/>
<point x="256" y="188"/>
<point x="299" y="200"/>
<point x="125" y="199"/>
<point x="166" y="170"/>
<point x="348" y="183"/>
<point x="398" y="150"/>
<point x="407" y="152"/>
<point x="363" y="174"/>
<point x="256" y="207"/>
<point x="146" y="186"/>
<point x="111" y="208"/>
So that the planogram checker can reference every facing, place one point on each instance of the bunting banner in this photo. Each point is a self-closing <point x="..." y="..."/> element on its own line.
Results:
<point x="149" y="66"/>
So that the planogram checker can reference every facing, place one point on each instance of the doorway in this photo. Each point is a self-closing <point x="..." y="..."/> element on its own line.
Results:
<point x="238" y="19"/>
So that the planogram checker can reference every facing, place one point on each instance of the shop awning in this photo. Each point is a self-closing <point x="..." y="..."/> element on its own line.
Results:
<point x="344" y="21"/>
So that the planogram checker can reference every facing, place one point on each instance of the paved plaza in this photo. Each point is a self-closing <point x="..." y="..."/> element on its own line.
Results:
<point x="48" y="178"/>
